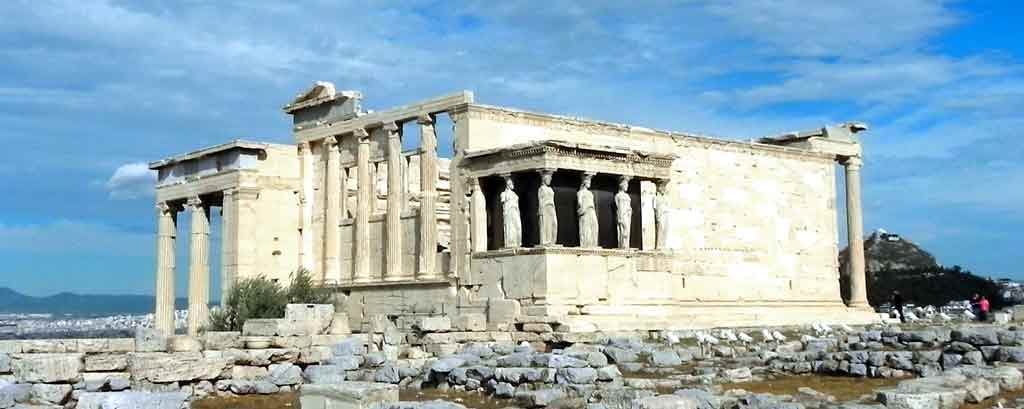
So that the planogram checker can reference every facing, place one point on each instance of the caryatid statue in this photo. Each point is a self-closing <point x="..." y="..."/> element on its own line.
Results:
<point x="661" y="215"/>
<point x="546" y="209"/>
<point x="587" y="213"/>
<point x="510" y="213"/>
<point x="623" y="212"/>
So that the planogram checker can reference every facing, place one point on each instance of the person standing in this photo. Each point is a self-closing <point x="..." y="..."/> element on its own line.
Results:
<point x="897" y="304"/>
<point x="983" y="307"/>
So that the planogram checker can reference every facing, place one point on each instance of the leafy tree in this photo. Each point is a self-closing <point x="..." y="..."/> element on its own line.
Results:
<point x="260" y="297"/>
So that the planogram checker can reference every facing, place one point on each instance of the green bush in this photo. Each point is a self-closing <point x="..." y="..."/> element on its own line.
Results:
<point x="260" y="297"/>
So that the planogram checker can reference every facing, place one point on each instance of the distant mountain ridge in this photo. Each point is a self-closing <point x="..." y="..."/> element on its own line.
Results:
<point x="67" y="303"/>
<point x="894" y="263"/>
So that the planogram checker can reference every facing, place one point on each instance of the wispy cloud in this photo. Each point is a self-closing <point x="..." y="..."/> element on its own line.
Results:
<point x="131" y="181"/>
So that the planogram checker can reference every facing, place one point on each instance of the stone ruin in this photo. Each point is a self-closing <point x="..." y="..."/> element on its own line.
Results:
<point x="536" y="223"/>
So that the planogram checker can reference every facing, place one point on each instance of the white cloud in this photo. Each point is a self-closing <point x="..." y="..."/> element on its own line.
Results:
<point x="131" y="181"/>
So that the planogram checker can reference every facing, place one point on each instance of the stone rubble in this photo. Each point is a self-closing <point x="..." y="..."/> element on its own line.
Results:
<point x="942" y="366"/>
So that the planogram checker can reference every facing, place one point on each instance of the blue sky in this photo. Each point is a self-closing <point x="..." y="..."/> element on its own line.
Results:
<point x="90" y="89"/>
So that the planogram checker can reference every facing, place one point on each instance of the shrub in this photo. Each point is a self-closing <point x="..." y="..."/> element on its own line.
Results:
<point x="260" y="297"/>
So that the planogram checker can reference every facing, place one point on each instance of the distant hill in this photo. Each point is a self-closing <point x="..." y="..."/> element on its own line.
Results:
<point x="894" y="263"/>
<point x="66" y="303"/>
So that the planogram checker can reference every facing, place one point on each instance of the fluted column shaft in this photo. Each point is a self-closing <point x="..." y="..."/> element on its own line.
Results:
<point x="305" y="207"/>
<point x="228" y="241"/>
<point x="428" y="199"/>
<point x="855" y="231"/>
<point x="167" y="232"/>
<point x="396" y="197"/>
<point x="361" y="272"/>
<point x="199" y="267"/>
<point x="332" y="211"/>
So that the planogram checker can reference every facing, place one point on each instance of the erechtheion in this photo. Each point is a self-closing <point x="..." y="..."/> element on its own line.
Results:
<point x="535" y="219"/>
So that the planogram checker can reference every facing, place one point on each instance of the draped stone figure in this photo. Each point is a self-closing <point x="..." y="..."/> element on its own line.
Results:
<point x="661" y="214"/>
<point x="587" y="214"/>
<point x="546" y="210"/>
<point x="624" y="213"/>
<point x="510" y="213"/>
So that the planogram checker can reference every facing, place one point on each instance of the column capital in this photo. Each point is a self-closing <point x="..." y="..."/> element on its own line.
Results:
<point x="230" y="191"/>
<point x="391" y="128"/>
<point x="194" y="203"/>
<point x="166" y="207"/>
<point x="625" y="178"/>
<point x="361" y="135"/>
<point x="853" y="162"/>
<point x="303" y="147"/>
<point x="547" y="171"/>
<point x="425" y="120"/>
<point x="331" y="141"/>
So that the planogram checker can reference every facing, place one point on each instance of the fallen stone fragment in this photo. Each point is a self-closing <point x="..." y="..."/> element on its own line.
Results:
<point x="132" y="400"/>
<point x="354" y="395"/>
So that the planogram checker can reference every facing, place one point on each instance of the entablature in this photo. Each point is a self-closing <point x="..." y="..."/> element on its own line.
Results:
<point x="569" y="156"/>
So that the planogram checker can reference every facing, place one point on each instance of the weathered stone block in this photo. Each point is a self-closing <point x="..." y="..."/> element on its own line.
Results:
<point x="284" y="374"/>
<point x="248" y="373"/>
<point x="322" y="315"/>
<point x="164" y="368"/>
<point x="98" y="381"/>
<point x="339" y="325"/>
<point x="267" y="327"/>
<point x="10" y="347"/>
<point x="150" y="340"/>
<point x="55" y="394"/>
<point x="47" y="368"/>
<point x="5" y="363"/>
<point x="434" y="324"/>
<point x="666" y="402"/>
<point x="347" y="395"/>
<point x="106" y="345"/>
<point x="501" y="314"/>
<point x="324" y="374"/>
<point x="106" y="362"/>
<point x="132" y="400"/>
<point x="221" y="340"/>
<point x="184" y="343"/>
<point x="470" y="322"/>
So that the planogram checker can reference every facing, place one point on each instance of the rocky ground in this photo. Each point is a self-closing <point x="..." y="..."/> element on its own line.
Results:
<point x="942" y="366"/>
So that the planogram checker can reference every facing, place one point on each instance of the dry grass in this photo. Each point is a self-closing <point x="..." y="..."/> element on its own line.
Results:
<point x="843" y="388"/>
<point x="275" y="401"/>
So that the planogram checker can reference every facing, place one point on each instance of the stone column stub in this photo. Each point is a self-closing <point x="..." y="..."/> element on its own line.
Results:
<point x="167" y="232"/>
<point x="393" y="218"/>
<point x="427" y="266"/>
<point x="361" y="269"/>
<point x="855" y="233"/>
<point x="199" y="266"/>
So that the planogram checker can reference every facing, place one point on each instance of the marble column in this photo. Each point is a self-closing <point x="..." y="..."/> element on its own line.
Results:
<point x="396" y="197"/>
<point x="167" y="232"/>
<point x="332" y="212"/>
<point x="428" y="199"/>
<point x="361" y="270"/>
<point x="477" y="216"/>
<point x="648" y="221"/>
<point x="460" y="235"/>
<point x="199" y="266"/>
<point x="228" y="241"/>
<point x="855" y="234"/>
<point x="305" y="206"/>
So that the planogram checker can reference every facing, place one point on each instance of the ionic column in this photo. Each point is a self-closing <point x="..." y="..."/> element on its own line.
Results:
<point x="396" y="195"/>
<point x="167" y="228"/>
<point x="305" y="206"/>
<point x="228" y="241"/>
<point x="332" y="211"/>
<point x="199" y="266"/>
<point x="477" y="216"/>
<point x="428" y="199"/>
<point x="361" y="270"/>
<point x="855" y="234"/>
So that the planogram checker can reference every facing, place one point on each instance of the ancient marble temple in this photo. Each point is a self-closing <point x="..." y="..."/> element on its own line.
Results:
<point x="534" y="219"/>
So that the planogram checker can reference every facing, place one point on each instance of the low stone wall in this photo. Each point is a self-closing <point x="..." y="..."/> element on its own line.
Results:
<point x="525" y="365"/>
